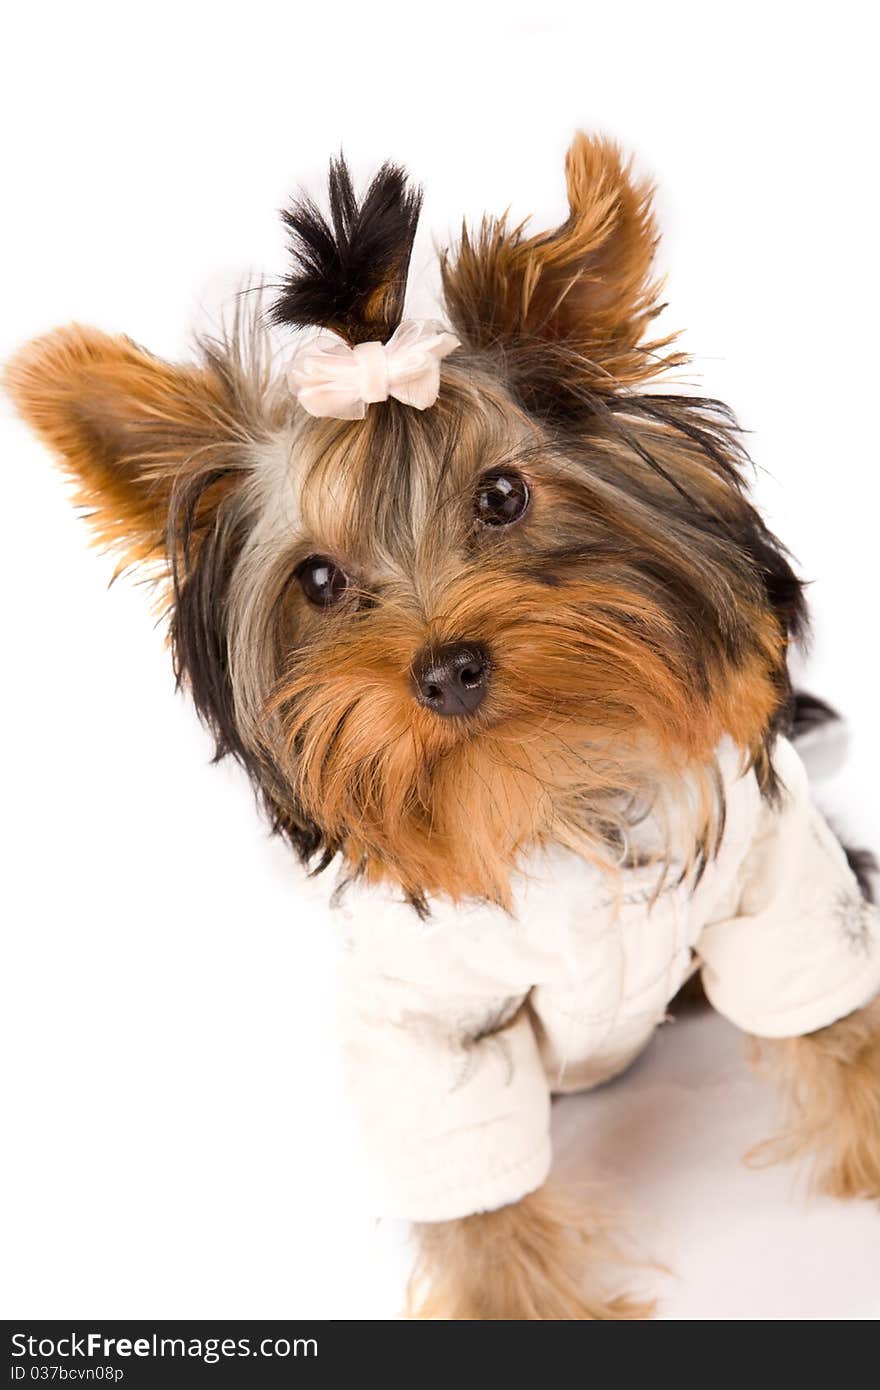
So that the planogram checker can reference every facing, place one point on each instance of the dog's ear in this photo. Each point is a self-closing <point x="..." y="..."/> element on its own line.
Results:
<point x="566" y="312"/>
<point x="128" y="428"/>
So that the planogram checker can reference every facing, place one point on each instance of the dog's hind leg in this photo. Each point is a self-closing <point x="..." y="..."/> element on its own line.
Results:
<point x="831" y="1087"/>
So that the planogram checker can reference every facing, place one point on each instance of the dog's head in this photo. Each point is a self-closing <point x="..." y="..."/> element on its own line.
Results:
<point x="437" y="636"/>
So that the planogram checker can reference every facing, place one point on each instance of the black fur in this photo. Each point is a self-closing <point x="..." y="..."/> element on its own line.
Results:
<point x="712" y="427"/>
<point x="864" y="865"/>
<point x="350" y="272"/>
<point x="808" y="712"/>
<point x="203" y="562"/>
<point x="739" y="542"/>
<point x="202" y="567"/>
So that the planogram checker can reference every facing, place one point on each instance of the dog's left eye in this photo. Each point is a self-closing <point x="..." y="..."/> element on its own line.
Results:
<point x="501" y="499"/>
<point x="322" y="582"/>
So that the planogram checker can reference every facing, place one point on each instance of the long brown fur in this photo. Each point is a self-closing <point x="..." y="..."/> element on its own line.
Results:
<point x="638" y="611"/>
<point x="628" y="618"/>
<point x="547" y="1257"/>
<point x="586" y="289"/>
<point x="830" y="1082"/>
<point x="129" y="428"/>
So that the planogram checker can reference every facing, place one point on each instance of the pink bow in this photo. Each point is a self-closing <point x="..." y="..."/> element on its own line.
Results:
<point x="328" y="377"/>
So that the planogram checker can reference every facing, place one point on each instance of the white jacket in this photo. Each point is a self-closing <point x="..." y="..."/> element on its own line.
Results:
<point x="457" y="1028"/>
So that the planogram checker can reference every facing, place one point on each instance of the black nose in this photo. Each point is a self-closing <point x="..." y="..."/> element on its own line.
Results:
<point x="452" y="679"/>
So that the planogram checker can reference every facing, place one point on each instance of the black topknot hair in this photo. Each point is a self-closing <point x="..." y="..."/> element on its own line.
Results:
<point x="349" y="273"/>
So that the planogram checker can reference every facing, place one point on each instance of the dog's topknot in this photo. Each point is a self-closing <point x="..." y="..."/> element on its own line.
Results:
<point x="349" y="271"/>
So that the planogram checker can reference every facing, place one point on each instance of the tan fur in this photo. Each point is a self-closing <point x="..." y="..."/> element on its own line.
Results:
<point x="595" y="696"/>
<point x="551" y="741"/>
<point x="546" y="1257"/>
<point x="129" y="428"/>
<point x="592" y="698"/>
<point x="831" y="1088"/>
<point x="587" y="286"/>
<point x="631" y="617"/>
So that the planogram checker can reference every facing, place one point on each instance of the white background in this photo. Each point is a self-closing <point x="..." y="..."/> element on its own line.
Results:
<point x="175" y="1144"/>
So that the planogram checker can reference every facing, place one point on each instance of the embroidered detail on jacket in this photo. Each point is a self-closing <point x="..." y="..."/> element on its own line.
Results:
<point x="484" y="1028"/>
<point x="854" y="918"/>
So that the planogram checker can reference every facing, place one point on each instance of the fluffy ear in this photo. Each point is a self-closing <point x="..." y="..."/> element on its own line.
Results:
<point x="131" y="429"/>
<point x="566" y="311"/>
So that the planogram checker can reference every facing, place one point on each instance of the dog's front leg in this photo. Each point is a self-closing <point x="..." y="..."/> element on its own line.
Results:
<point x="831" y="1085"/>
<point x="544" y="1257"/>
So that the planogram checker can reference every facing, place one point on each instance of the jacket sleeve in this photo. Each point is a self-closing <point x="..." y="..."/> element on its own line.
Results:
<point x="802" y="947"/>
<point x="449" y="1097"/>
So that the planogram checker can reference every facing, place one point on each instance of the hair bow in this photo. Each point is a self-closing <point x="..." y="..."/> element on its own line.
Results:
<point x="331" y="378"/>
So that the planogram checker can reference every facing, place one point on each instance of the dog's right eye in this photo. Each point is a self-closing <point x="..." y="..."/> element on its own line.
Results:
<point x="322" y="582"/>
<point x="502" y="498"/>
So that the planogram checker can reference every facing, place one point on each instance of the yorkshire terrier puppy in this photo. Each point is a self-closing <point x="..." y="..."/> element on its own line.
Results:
<point x="492" y="624"/>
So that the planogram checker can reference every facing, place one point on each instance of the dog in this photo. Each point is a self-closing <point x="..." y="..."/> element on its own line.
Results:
<point x="489" y="619"/>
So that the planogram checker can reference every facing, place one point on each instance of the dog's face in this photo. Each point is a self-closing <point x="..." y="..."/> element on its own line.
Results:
<point x="436" y="637"/>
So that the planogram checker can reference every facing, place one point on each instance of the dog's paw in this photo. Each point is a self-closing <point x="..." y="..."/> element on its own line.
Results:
<point x="560" y="1306"/>
<point x="544" y="1258"/>
<point x="544" y="1304"/>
